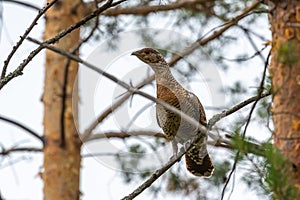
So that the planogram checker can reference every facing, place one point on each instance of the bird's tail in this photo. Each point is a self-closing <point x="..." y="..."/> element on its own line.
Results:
<point x="198" y="161"/>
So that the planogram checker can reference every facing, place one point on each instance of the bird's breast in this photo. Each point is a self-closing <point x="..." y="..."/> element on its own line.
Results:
<point x="173" y="124"/>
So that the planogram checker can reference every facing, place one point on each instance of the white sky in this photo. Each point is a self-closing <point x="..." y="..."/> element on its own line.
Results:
<point x="20" y="100"/>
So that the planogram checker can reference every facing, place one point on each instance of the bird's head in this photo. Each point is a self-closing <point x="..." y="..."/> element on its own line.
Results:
<point x="150" y="56"/>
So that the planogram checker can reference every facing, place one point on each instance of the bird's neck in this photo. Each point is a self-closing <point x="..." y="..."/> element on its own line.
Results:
<point x="163" y="75"/>
<point x="166" y="84"/>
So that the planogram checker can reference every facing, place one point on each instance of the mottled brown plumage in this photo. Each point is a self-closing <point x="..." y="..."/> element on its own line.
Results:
<point x="176" y="129"/>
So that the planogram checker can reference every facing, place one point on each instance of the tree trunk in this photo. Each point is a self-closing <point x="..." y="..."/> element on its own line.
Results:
<point x="62" y="143"/>
<point x="285" y="73"/>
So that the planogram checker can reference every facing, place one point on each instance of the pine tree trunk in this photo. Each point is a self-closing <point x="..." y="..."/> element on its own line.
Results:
<point x="62" y="146"/>
<point x="285" y="73"/>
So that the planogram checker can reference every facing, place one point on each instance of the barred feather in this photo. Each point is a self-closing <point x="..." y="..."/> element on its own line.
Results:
<point x="170" y="91"/>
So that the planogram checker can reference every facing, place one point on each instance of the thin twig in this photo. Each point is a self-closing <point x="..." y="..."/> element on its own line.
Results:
<point x="253" y="43"/>
<point x="235" y="108"/>
<point x="5" y="152"/>
<point x="123" y="135"/>
<point x="137" y="114"/>
<point x="109" y="110"/>
<point x="162" y="170"/>
<point x="260" y="91"/>
<point x="220" y="142"/>
<point x="66" y="72"/>
<point x="19" y="70"/>
<point x="200" y="42"/>
<point x="23" y="37"/>
<point x="136" y="91"/>
<point x="246" y="58"/>
<point x="216" y="34"/>
<point x="131" y="89"/>
<point x="24" y="127"/>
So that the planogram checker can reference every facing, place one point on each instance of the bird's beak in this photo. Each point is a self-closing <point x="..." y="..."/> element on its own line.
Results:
<point x="134" y="53"/>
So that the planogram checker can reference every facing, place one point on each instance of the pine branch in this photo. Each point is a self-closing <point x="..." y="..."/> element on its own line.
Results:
<point x="131" y="89"/>
<point x="204" y="40"/>
<point x="260" y="91"/>
<point x="200" y="42"/>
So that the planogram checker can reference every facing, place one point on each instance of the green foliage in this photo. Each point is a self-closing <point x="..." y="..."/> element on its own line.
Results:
<point x="136" y="148"/>
<point x="245" y="145"/>
<point x="268" y="83"/>
<point x="263" y="110"/>
<point x="176" y="183"/>
<point x="127" y="163"/>
<point x="287" y="53"/>
<point x="262" y="173"/>
<point x="254" y="176"/>
<point x="271" y="171"/>
<point x="221" y="169"/>
<point x="277" y="171"/>
<point x="237" y="88"/>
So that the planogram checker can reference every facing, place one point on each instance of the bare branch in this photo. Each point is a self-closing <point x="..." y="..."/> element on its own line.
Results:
<point x="19" y="70"/>
<point x="203" y="41"/>
<point x="135" y="90"/>
<point x="260" y="91"/>
<point x="123" y="135"/>
<point x="131" y="89"/>
<point x="235" y="108"/>
<point x="64" y="95"/>
<point x="147" y="9"/>
<point x="20" y="125"/>
<point x="253" y="148"/>
<point x="5" y="152"/>
<point x="200" y="42"/>
<point x="253" y="44"/>
<point x="245" y="58"/>
<point x="22" y="38"/>
<point x="112" y="108"/>
<point x="163" y="169"/>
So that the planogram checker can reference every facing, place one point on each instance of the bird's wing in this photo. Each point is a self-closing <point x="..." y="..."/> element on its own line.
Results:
<point x="157" y="120"/>
<point x="197" y="108"/>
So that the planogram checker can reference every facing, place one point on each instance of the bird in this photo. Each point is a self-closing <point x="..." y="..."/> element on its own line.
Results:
<point x="176" y="129"/>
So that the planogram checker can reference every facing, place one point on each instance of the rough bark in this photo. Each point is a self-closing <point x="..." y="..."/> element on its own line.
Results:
<point x="62" y="143"/>
<point x="285" y="73"/>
